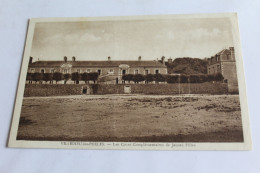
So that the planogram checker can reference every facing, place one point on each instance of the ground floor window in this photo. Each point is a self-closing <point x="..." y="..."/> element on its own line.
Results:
<point x="65" y="71"/>
<point x="42" y="70"/>
<point x="99" y="71"/>
<point x="156" y="71"/>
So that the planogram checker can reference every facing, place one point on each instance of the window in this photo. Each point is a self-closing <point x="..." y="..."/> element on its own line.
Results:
<point x="146" y="72"/>
<point x="136" y="71"/>
<point x="52" y="70"/>
<point x="218" y="68"/>
<point x="88" y="70"/>
<point x="42" y="70"/>
<point x="32" y="70"/>
<point x="111" y="70"/>
<point x="78" y="70"/>
<point x="156" y="71"/>
<point x="65" y="71"/>
<point x="99" y="71"/>
<point x="123" y="72"/>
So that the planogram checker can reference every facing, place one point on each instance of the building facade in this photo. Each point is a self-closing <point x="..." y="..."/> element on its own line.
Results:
<point x="224" y="62"/>
<point x="112" y="70"/>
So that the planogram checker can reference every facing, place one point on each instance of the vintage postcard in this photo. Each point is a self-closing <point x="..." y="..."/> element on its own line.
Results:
<point x="170" y="82"/>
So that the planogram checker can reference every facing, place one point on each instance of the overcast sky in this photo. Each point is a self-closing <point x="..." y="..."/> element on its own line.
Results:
<point x="126" y="40"/>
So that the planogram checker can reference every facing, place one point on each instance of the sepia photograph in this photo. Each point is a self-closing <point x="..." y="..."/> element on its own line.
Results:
<point x="171" y="82"/>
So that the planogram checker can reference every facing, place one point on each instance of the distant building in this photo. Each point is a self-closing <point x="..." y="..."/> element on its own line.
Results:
<point x="113" y="69"/>
<point x="224" y="62"/>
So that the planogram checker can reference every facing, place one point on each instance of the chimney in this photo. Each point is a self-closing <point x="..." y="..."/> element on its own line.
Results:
<point x="73" y="58"/>
<point x="232" y="53"/>
<point x="163" y="58"/>
<point x="109" y="58"/>
<point x="169" y="60"/>
<point x="139" y="58"/>
<point x="65" y="59"/>
<point x="31" y="59"/>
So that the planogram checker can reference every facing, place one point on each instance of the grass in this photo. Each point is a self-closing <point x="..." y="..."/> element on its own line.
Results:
<point x="139" y="118"/>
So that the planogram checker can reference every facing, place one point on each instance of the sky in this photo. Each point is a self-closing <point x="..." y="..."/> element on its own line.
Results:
<point x="127" y="40"/>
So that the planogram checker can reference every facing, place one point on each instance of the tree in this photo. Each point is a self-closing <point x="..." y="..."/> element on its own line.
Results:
<point x="85" y="77"/>
<point x="128" y="77"/>
<point x="149" y="78"/>
<point x="57" y="76"/>
<point x="29" y="77"/>
<point x="75" y="77"/>
<point x="37" y="77"/>
<point x="172" y="78"/>
<point x="183" y="79"/>
<point x="93" y="76"/>
<point x="138" y="78"/>
<point x="66" y="77"/>
<point x="194" y="78"/>
<point x="47" y="77"/>
<point x="159" y="78"/>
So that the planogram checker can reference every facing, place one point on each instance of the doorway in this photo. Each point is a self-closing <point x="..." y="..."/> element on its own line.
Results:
<point x="84" y="91"/>
<point x="127" y="89"/>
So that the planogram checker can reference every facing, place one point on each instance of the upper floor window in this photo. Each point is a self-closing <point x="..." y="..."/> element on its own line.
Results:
<point x="88" y="70"/>
<point x="42" y="71"/>
<point x="65" y="71"/>
<point x="136" y="71"/>
<point x="111" y="70"/>
<point x="146" y="72"/>
<point x="52" y="70"/>
<point x="156" y="71"/>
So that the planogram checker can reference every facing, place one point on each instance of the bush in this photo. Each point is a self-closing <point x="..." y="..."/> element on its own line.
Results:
<point x="159" y="78"/>
<point x="172" y="78"/>
<point x="218" y="77"/>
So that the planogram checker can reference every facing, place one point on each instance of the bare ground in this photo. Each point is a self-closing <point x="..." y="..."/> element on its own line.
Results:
<point x="139" y="118"/>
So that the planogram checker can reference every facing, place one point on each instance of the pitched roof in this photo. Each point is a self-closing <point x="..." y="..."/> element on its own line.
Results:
<point x="97" y="63"/>
<point x="224" y="51"/>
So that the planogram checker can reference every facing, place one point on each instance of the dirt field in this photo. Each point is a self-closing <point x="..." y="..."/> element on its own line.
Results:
<point x="139" y="118"/>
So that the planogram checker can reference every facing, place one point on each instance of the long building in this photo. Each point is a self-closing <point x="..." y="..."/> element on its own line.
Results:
<point x="113" y="69"/>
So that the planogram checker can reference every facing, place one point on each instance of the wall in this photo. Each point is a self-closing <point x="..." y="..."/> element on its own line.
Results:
<point x="52" y="89"/>
<point x="76" y="89"/>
